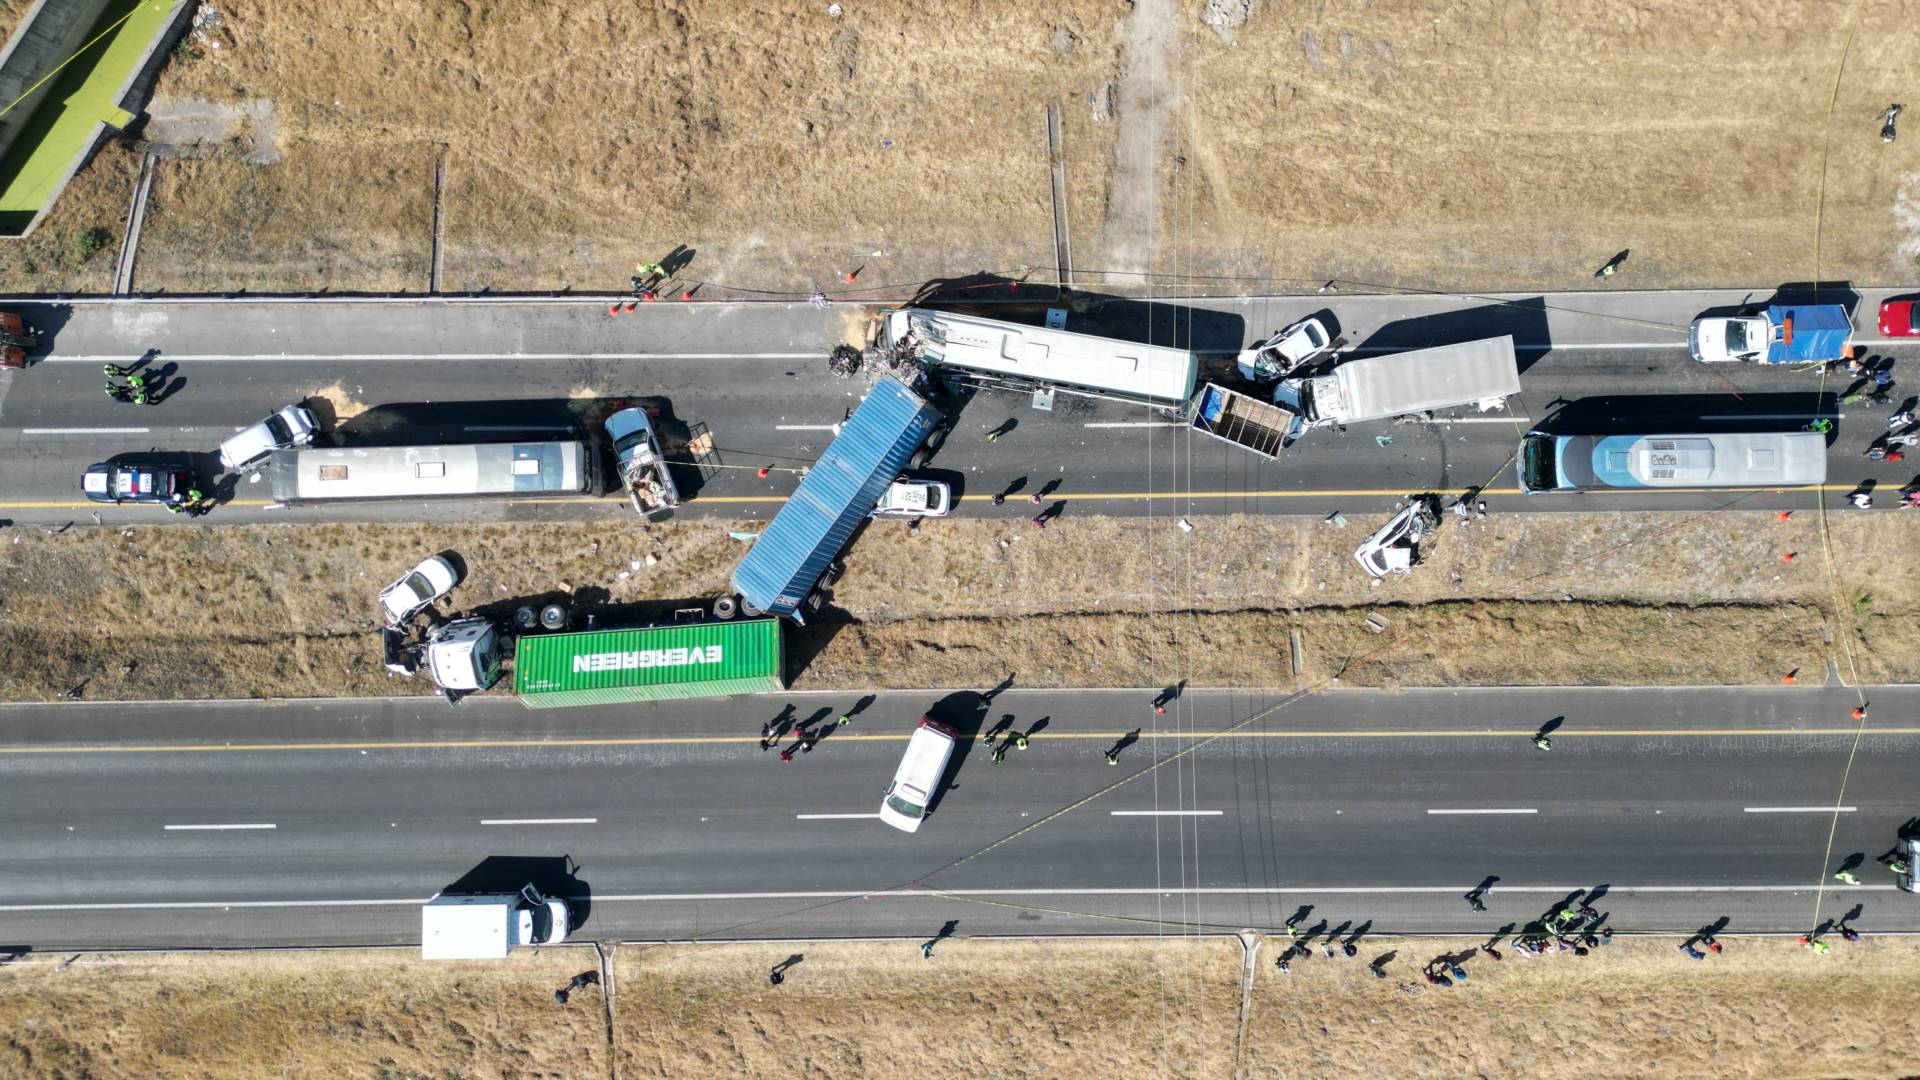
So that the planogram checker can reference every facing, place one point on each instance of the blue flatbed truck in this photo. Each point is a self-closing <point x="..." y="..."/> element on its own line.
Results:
<point x="779" y="573"/>
<point x="1775" y="334"/>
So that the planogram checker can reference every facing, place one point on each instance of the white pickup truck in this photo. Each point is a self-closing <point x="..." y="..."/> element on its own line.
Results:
<point x="487" y="926"/>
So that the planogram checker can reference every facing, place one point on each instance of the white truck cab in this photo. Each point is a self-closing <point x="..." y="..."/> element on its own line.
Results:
<point x="487" y="926"/>
<point x="464" y="656"/>
<point x="1728" y="339"/>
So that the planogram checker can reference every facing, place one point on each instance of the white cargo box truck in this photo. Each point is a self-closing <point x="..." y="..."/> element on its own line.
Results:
<point x="1483" y="373"/>
<point x="486" y="926"/>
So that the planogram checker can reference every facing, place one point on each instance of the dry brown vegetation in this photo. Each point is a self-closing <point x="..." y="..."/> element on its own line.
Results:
<point x="1638" y="1008"/>
<point x="978" y="1008"/>
<point x="1433" y="145"/>
<point x="1634" y="599"/>
<point x="1147" y="1007"/>
<point x="97" y="199"/>
<point x="379" y="1014"/>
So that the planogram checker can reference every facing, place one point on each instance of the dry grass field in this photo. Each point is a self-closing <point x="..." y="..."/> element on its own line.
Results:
<point x="1168" y="1007"/>
<point x="374" y="1014"/>
<point x="1432" y="144"/>
<point x="1637" y="599"/>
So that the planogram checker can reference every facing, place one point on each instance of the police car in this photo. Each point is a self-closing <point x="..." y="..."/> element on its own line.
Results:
<point x="137" y="480"/>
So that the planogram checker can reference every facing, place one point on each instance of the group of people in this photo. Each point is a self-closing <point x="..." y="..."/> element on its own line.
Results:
<point x="194" y="503"/>
<point x="124" y="384"/>
<point x="804" y="739"/>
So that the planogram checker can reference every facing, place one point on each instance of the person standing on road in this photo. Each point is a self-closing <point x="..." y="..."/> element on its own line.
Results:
<point x="1846" y="877"/>
<point x="1541" y="742"/>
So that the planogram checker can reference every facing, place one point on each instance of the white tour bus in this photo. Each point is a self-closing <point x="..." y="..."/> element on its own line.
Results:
<point x="1013" y="356"/>
<point x="425" y="472"/>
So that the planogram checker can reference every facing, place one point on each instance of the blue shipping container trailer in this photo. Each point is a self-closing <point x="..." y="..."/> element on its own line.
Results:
<point x="836" y="495"/>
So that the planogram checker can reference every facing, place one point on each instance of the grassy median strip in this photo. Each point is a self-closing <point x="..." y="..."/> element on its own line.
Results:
<point x="1168" y="1006"/>
<point x="1629" y="599"/>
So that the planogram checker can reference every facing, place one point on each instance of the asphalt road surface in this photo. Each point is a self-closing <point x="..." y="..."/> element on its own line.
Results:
<point x="249" y="824"/>
<point x="754" y="376"/>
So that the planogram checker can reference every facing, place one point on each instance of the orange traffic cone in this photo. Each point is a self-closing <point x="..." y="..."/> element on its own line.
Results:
<point x="647" y="295"/>
<point x="763" y="472"/>
<point x="1788" y="557"/>
<point x="1860" y="713"/>
<point x="849" y="276"/>
<point x="1783" y="515"/>
<point x="686" y="294"/>
<point x="1789" y="679"/>
<point x="613" y="309"/>
<point x="628" y="306"/>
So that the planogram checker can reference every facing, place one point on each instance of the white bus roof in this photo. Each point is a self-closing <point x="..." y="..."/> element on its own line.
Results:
<point x="1070" y="361"/>
<point x="385" y="472"/>
<point x="1738" y="460"/>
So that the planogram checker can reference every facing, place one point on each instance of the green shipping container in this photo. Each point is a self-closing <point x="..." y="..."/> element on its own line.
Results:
<point x="606" y="667"/>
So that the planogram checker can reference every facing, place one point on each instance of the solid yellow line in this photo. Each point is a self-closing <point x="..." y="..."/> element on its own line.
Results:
<point x="1111" y="496"/>
<point x="741" y="740"/>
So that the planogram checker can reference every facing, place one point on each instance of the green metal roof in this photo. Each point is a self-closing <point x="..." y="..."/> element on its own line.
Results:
<point x="602" y="667"/>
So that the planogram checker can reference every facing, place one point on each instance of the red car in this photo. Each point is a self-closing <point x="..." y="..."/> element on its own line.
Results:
<point x="1897" y="318"/>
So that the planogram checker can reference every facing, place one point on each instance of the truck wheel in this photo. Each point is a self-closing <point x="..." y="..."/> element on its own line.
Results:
<point x="815" y="600"/>
<point x="525" y="619"/>
<point x="834" y="570"/>
<point x="554" y="617"/>
<point x="750" y="610"/>
<point x="726" y="607"/>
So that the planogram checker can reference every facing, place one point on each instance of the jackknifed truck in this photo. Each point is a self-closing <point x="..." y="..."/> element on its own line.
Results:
<point x="780" y="572"/>
<point x="713" y="658"/>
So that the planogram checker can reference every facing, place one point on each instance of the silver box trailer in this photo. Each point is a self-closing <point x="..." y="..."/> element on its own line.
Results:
<point x="1483" y="373"/>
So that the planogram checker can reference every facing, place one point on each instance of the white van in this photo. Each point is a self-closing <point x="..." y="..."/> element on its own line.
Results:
<point x="290" y="427"/>
<point x="918" y="777"/>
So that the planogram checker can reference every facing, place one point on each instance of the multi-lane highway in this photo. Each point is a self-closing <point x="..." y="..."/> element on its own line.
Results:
<point x="243" y="823"/>
<point x="755" y="376"/>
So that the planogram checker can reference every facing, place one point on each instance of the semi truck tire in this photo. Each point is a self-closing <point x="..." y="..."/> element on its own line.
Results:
<point x="553" y="617"/>
<point x="726" y="607"/>
<point x="748" y="608"/>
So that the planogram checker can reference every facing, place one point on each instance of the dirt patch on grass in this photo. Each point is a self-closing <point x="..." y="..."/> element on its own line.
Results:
<point x="1636" y="599"/>
<point x="371" y="1013"/>
<point x="1277" y="147"/>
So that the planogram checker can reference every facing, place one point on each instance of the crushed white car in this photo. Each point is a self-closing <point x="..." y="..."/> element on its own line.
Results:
<point x="420" y="587"/>
<point x="1396" y="547"/>
<point x="1285" y="351"/>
